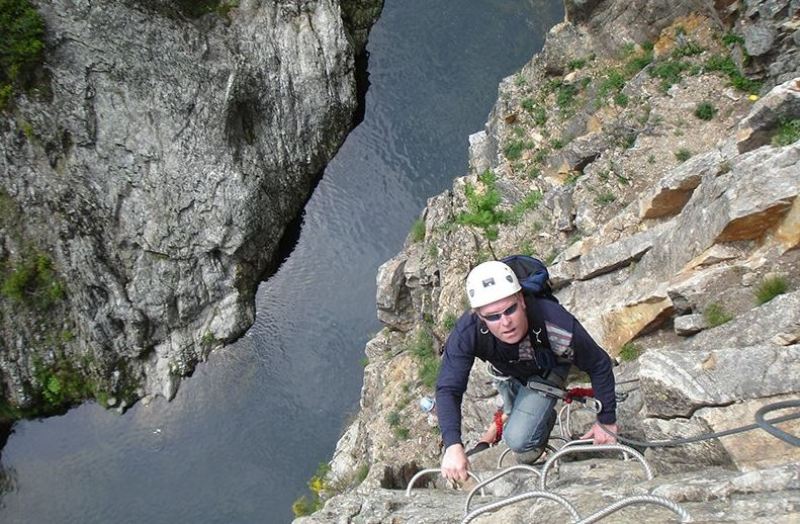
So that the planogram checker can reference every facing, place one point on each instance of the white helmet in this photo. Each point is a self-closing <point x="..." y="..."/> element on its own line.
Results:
<point x="490" y="282"/>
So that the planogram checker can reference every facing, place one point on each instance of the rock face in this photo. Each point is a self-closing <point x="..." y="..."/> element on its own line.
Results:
<point x="158" y="166"/>
<point x="673" y="236"/>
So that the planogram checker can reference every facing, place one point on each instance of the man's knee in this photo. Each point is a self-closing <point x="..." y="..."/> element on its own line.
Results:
<point x="521" y="439"/>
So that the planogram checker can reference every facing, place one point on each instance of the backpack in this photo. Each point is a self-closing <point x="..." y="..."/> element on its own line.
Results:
<point x="532" y="275"/>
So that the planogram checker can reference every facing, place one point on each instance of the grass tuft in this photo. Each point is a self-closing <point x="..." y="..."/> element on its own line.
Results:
<point x="715" y="315"/>
<point x="683" y="154"/>
<point x="629" y="352"/>
<point x="788" y="133"/>
<point x="418" y="231"/>
<point x="771" y="288"/>
<point x="705" y="111"/>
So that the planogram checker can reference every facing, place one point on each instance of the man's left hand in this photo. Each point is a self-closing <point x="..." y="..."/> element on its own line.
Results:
<point x="599" y="436"/>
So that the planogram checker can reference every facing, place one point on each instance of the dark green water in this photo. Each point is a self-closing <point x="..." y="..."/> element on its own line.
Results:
<point x="247" y="431"/>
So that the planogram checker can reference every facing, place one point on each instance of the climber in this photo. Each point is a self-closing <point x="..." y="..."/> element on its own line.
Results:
<point x="530" y="344"/>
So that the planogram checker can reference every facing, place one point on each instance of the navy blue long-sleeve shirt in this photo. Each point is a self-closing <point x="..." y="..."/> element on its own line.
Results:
<point x="568" y="340"/>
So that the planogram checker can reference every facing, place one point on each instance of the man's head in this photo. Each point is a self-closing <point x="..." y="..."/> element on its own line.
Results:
<point x="494" y="294"/>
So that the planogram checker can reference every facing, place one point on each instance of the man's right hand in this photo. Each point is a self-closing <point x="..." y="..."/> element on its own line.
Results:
<point x="455" y="463"/>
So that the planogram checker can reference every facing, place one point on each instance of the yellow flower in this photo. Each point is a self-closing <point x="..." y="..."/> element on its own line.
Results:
<point x="752" y="98"/>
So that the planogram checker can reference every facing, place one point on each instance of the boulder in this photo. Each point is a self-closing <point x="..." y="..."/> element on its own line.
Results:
<point x="669" y="196"/>
<point x="781" y="103"/>
<point x="392" y="297"/>
<point x="688" y="325"/>
<point x="675" y="383"/>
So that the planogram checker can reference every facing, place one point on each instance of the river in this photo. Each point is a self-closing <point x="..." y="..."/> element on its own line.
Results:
<point x="247" y="431"/>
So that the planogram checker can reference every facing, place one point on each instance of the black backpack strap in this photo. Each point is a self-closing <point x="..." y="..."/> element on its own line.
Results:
<point x="483" y="340"/>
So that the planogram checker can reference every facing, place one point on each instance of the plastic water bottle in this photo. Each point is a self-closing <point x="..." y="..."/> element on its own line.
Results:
<point x="426" y="404"/>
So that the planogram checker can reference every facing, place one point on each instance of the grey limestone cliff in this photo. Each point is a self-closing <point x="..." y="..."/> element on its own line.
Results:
<point x="665" y="229"/>
<point x="152" y="172"/>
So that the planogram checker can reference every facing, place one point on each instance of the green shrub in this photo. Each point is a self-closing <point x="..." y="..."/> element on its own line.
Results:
<point x="726" y="66"/>
<point x="21" y="45"/>
<point x="730" y="38"/>
<point x="303" y="507"/>
<point x="605" y="198"/>
<point x="61" y="384"/>
<point x="528" y="105"/>
<point x="669" y="71"/>
<point x="418" y="230"/>
<point x="705" y="111"/>
<point x="393" y="419"/>
<point x="715" y="315"/>
<point x="531" y="201"/>
<point x="613" y="81"/>
<point x="788" y="133"/>
<point x="540" y="116"/>
<point x="427" y="359"/>
<point x="629" y="352"/>
<point x="515" y="148"/>
<point x="541" y="155"/>
<point x="688" y="49"/>
<point x="401" y="432"/>
<point x="771" y="288"/>
<point x="482" y="207"/>
<point x="639" y="62"/>
<point x="6" y="94"/>
<point x="318" y="484"/>
<point x="621" y="99"/>
<point x="683" y="154"/>
<point x="449" y="322"/>
<point x="565" y="96"/>
<point x="576" y="64"/>
<point x="34" y="283"/>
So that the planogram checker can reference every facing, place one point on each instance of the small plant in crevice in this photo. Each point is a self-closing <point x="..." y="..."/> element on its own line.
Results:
<point x="575" y="64"/>
<point x="400" y="431"/>
<point x="705" y="111"/>
<point x="515" y="148"/>
<point x="605" y="198"/>
<point x="449" y="322"/>
<point x="418" y="230"/>
<point x="715" y="315"/>
<point x="528" y="105"/>
<point x="770" y="288"/>
<point x="726" y="66"/>
<point x="788" y="132"/>
<point x="629" y="352"/>
<point x="421" y="348"/>
<point x="687" y="49"/>
<point x="361" y="474"/>
<point x="731" y="38"/>
<point x="683" y="154"/>
<point x="669" y="71"/>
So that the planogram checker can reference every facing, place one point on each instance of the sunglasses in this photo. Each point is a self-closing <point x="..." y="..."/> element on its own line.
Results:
<point x="497" y="316"/>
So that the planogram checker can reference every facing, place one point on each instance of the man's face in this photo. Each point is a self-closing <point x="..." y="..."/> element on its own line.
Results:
<point x="506" y="318"/>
